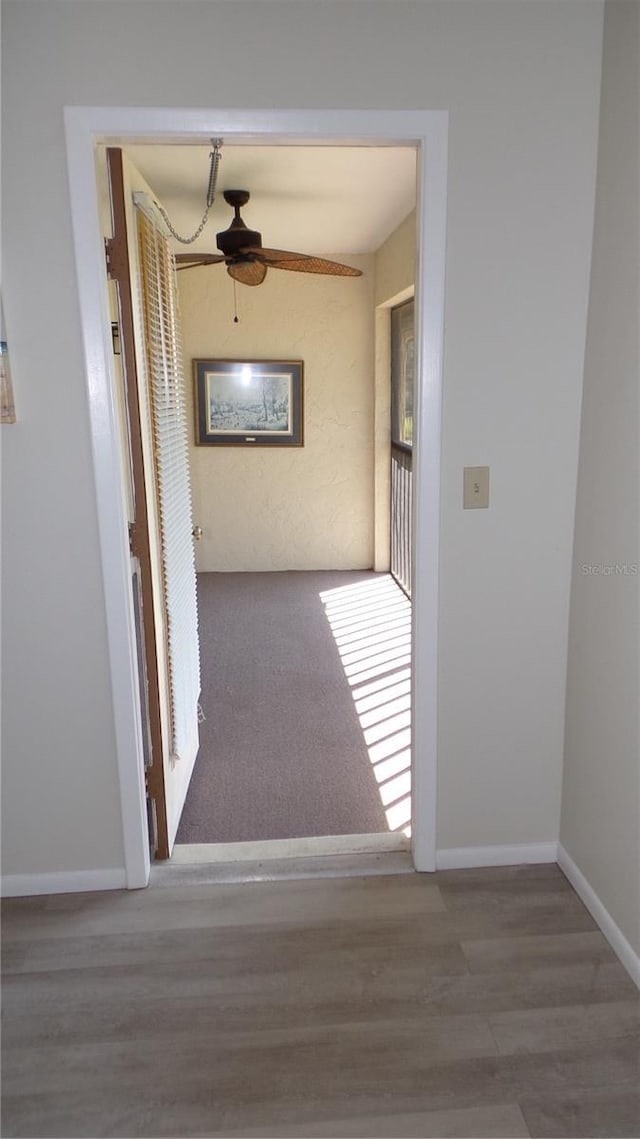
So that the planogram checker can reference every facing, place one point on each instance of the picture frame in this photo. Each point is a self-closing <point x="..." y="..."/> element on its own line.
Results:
<point x="248" y="403"/>
<point x="7" y="405"/>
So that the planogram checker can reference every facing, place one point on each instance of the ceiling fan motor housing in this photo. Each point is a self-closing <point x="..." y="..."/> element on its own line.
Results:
<point x="237" y="237"/>
<point x="230" y="241"/>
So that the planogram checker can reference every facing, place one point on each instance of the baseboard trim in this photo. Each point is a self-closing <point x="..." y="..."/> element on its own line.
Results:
<point x="611" y="930"/>
<point x="467" y="857"/>
<point x="62" y="882"/>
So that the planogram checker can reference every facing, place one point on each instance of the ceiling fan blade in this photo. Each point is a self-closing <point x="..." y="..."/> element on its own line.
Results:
<point x="192" y="260"/>
<point x="306" y="264"/>
<point x="271" y="256"/>
<point x="248" y="272"/>
<point x="301" y="262"/>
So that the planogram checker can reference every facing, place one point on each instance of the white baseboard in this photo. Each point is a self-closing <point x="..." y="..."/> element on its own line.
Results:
<point x="467" y="857"/>
<point x="62" y="882"/>
<point x="601" y="915"/>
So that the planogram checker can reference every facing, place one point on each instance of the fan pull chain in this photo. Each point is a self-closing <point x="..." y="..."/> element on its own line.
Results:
<point x="215" y="157"/>
<point x="235" y="303"/>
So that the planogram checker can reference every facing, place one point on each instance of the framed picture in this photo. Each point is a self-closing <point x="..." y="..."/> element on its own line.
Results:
<point x="7" y="408"/>
<point x="248" y="403"/>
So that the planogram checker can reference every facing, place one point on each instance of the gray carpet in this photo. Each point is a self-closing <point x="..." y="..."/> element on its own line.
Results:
<point x="282" y="753"/>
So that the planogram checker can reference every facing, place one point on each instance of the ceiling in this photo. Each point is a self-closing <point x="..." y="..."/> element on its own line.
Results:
<point x="312" y="199"/>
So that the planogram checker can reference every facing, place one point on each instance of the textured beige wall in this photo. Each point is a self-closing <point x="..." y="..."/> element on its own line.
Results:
<point x="282" y="508"/>
<point x="396" y="264"/>
<point x="600" y="823"/>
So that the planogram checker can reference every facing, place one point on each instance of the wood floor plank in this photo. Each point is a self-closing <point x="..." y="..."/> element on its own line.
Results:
<point x="540" y="987"/>
<point x="577" y="1114"/>
<point x="117" y="1020"/>
<point x="489" y="955"/>
<point x="500" y="1121"/>
<point x="528" y="892"/>
<point x="175" y="1117"/>
<point x="396" y="1005"/>
<point x="482" y="875"/>
<point x="544" y="1029"/>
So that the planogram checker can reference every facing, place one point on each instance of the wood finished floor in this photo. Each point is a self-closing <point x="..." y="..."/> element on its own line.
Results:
<point x="467" y="1003"/>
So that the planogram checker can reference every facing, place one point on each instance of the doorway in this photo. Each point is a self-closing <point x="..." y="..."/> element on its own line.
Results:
<point x="279" y="756"/>
<point x="273" y="520"/>
<point x="84" y="127"/>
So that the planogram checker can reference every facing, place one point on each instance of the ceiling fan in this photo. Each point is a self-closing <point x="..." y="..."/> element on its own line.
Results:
<point x="247" y="260"/>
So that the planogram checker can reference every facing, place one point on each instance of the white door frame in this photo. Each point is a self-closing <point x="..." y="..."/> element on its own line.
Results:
<point x="85" y="126"/>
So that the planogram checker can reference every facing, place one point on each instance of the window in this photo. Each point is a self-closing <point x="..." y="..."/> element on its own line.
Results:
<point x="402" y="373"/>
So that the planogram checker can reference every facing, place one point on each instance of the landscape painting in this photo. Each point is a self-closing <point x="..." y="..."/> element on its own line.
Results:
<point x="248" y="402"/>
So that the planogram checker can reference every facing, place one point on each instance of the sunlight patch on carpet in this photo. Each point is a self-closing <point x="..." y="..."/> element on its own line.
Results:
<point x="371" y="625"/>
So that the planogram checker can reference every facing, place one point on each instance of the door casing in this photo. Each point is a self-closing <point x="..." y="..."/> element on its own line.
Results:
<point x="428" y="130"/>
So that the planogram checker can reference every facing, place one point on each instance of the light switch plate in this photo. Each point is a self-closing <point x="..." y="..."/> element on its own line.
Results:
<point x="476" y="487"/>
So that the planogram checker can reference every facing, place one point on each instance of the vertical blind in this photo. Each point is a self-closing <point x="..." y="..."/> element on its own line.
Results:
<point x="171" y="467"/>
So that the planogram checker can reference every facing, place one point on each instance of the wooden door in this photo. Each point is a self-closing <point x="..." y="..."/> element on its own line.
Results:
<point x="167" y="778"/>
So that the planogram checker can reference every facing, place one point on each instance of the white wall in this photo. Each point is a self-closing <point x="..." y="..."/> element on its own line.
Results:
<point x="521" y="82"/>
<point x="601" y="790"/>
<point x="299" y="508"/>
